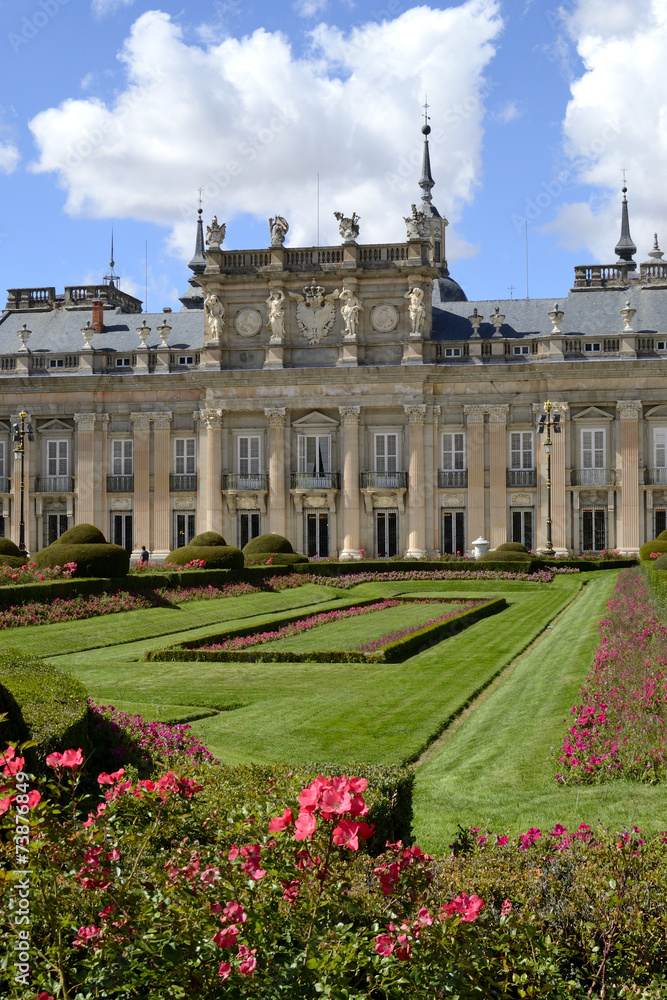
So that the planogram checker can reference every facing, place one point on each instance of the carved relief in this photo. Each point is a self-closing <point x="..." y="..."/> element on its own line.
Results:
<point x="416" y="414"/>
<point x="275" y="415"/>
<point x="384" y="318"/>
<point x="474" y="414"/>
<point x="593" y="496"/>
<point x="184" y="503"/>
<point x="85" y="421"/>
<point x="522" y="500"/>
<point x="161" y="420"/>
<point x="212" y="418"/>
<point x="349" y="415"/>
<point x="121" y="503"/>
<point x="315" y="312"/>
<point x="453" y="500"/>
<point x="629" y="409"/>
<point x="248" y="323"/>
<point x="141" y="421"/>
<point x="498" y="413"/>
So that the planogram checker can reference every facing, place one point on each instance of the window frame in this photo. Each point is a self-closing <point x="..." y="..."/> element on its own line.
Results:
<point x="593" y="449"/>
<point x="386" y="457"/>
<point x="518" y="464"/>
<point x="188" y="460"/>
<point x="125" y="458"/>
<point x="453" y="451"/>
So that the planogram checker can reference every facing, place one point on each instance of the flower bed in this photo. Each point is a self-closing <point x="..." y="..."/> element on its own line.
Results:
<point x="10" y="576"/>
<point x="397" y="576"/>
<point x="130" y="739"/>
<point x="620" y="722"/>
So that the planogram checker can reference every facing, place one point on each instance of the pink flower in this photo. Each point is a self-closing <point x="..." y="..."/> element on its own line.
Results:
<point x="226" y="936"/>
<point x="280" y="822"/>
<point x="291" y="890"/>
<point x="384" y="944"/>
<point x="70" y="758"/>
<point x="249" y="962"/>
<point x="348" y="831"/>
<point x="224" y="969"/>
<point x="467" y="907"/>
<point x="506" y="908"/>
<point x="109" y="779"/>
<point x="87" y="935"/>
<point x="305" y="825"/>
<point x="424" y="917"/>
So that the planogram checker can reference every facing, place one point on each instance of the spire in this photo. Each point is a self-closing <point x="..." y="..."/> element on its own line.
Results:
<point x="625" y="248"/>
<point x="111" y="278"/>
<point x="198" y="263"/>
<point x="426" y="182"/>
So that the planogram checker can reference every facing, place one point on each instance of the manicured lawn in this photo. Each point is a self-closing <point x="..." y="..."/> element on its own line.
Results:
<point x="496" y="769"/>
<point x="329" y="712"/>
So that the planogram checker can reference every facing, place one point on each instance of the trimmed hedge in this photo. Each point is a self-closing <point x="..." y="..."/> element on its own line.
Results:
<point x="43" y="704"/>
<point x="277" y="559"/>
<point x="512" y="547"/>
<point x="208" y="538"/>
<point x="215" y="556"/>
<point x="16" y="562"/>
<point x="92" y="559"/>
<point x="661" y="562"/>
<point x="269" y="543"/>
<point x="81" y="534"/>
<point x="506" y="555"/>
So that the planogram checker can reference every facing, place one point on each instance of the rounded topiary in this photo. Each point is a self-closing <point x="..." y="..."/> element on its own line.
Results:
<point x="103" y="560"/>
<point x="208" y="538"/>
<point x="277" y="559"/>
<point x="662" y="537"/>
<point x="512" y="547"/>
<point x="649" y="547"/>
<point x="14" y="561"/>
<point x="81" y="534"/>
<point x="10" y="548"/>
<point x="660" y="562"/>
<point x="504" y="555"/>
<point x="215" y="556"/>
<point x="268" y="543"/>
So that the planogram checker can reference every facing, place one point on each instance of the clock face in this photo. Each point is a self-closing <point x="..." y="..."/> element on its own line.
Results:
<point x="248" y="323"/>
<point x="384" y="318"/>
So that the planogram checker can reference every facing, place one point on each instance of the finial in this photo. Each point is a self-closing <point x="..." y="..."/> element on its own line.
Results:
<point x="111" y="278"/>
<point x="426" y="128"/>
<point x="625" y="249"/>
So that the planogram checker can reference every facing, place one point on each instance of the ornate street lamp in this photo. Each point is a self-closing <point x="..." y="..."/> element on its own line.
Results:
<point x="547" y="423"/>
<point x="19" y="432"/>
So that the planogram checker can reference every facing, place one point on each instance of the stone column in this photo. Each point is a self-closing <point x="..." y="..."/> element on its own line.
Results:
<point x="87" y="472"/>
<point x="498" y="474"/>
<point x="142" y="479"/>
<point x="350" y="444"/>
<point x="629" y="413"/>
<point x="103" y="520"/>
<point x="559" y="511"/>
<point x="33" y="536"/>
<point x="474" y="416"/>
<point x="416" y="548"/>
<point x="276" y="416"/>
<point x="212" y="422"/>
<point x="162" y="465"/>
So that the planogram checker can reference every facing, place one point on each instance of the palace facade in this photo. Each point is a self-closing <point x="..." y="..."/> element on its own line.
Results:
<point x="349" y="397"/>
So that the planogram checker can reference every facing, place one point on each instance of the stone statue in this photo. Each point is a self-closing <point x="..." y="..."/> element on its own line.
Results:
<point x="276" y="315"/>
<point x="279" y="228"/>
<point x="315" y="312"/>
<point x="416" y="309"/>
<point x="416" y="224"/>
<point x="348" y="228"/>
<point x="349" y="310"/>
<point x="215" y="316"/>
<point x="215" y="234"/>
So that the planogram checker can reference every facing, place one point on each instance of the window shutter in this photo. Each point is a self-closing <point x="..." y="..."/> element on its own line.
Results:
<point x="599" y="449"/>
<point x="190" y="457"/>
<point x="301" y="453"/>
<point x="527" y="450"/>
<point x="587" y="449"/>
<point x="392" y="452"/>
<point x="128" y="458"/>
<point x="515" y="450"/>
<point x="659" y="445"/>
<point x="179" y="453"/>
<point x="380" y="453"/>
<point x="254" y="456"/>
<point x="459" y="451"/>
<point x="117" y="458"/>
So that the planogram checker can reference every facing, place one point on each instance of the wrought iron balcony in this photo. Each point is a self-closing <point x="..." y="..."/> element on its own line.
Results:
<point x="655" y="477"/>
<point x="452" y="477"/>
<point x="253" y="481"/>
<point x="54" y="484"/>
<point x="384" y="480"/>
<point x="312" y="481"/>
<point x="593" y="477"/>
<point x="5" y="484"/>
<point x="180" y="483"/>
<point x="522" y="477"/>
<point x="120" y="484"/>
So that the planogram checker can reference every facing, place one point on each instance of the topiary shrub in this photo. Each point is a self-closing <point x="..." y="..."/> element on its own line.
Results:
<point x="215" y="556"/>
<point x="103" y="560"/>
<point x="9" y="548"/>
<point x="505" y="555"/>
<point x="268" y="543"/>
<point x="512" y="547"/>
<point x="42" y="704"/>
<point x="81" y="534"/>
<point x="15" y="561"/>
<point x="660" y="562"/>
<point x="662" y="537"/>
<point x="648" y="547"/>
<point x="277" y="558"/>
<point x="208" y="538"/>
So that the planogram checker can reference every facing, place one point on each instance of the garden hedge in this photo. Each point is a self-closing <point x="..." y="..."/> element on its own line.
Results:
<point x="92" y="559"/>
<point x="215" y="556"/>
<point x="43" y="704"/>
<point x="500" y="555"/>
<point x="277" y="559"/>
<point x="16" y="562"/>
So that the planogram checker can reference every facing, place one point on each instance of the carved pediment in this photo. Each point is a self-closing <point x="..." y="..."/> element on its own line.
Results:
<point x="55" y="425"/>
<point x="593" y="413"/>
<point x="315" y="419"/>
<point x="658" y="411"/>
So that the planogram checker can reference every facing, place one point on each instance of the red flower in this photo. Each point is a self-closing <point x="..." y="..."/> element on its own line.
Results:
<point x="348" y="831"/>
<point x="224" y="969"/>
<point x="249" y="962"/>
<point x="291" y="890"/>
<point x="70" y="758"/>
<point x="384" y="944"/>
<point x="280" y="822"/>
<point x="305" y="825"/>
<point x="226" y="936"/>
<point x="467" y="907"/>
<point x="109" y="779"/>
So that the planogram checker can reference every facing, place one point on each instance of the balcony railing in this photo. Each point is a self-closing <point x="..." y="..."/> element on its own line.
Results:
<point x="240" y="481"/>
<point x="5" y="484"/>
<point x="384" y="480"/>
<point x="120" y="484"/>
<point x="179" y="483"/>
<point x="522" y="477"/>
<point x="54" y="484"/>
<point x="452" y="477"/>
<point x="655" y="477"/>
<point x="312" y="481"/>
<point x="593" y="477"/>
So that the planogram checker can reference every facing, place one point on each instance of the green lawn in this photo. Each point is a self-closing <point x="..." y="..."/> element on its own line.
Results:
<point x="497" y="771"/>
<point x="307" y="712"/>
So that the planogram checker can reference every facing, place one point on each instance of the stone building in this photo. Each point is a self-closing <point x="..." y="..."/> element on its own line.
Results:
<point x="349" y="397"/>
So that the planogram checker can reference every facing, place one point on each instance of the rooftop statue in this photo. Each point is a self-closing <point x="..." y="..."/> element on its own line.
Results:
<point x="215" y="234"/>
<point x="348" y="228"/>
<point x="279" y="228"/>
<point x="416" y="309"/>
<point x="416" y="224"/>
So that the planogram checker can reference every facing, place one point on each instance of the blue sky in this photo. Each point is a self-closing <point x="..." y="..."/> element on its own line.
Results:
<point x="114" y="112"/>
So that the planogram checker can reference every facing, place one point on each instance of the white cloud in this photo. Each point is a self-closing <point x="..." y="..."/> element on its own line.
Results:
<point x="309" y="8"/>
<point x="9" y="157"/>
<point x="617" y="118"/>
<point x="253" y="125"/>
<point x="103" y="7"/>
<point x="509" y="112"/>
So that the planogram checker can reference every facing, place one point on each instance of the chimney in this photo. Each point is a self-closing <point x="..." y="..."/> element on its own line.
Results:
<point x="98" y="316"/>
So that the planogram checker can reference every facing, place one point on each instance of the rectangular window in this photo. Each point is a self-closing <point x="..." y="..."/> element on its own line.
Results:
<point x="57" y="459"/>
<point x="592" y="449"/>
<point x="317" y="535"/>
<point x="659" y="521"/>
<point x="453" y="532"/>
<point x="593" y="530"/>
<point x="56" y="363"/>
<point x="56" y="525"/>
<point x="248" y="526"/>
<point x="186" y="359"/>
<point x="314" y="454"/>
<point x="452" y="352"/>
<point x="659" y="447"/>
<point x="121" y="531"/>
<point x="522" y="527"/>
<point x="3" y="472"/>
<point x="123" y="363"/>
<point x="593" y="348"/>
<point x="185" y="457"/>
<point x="523" y="349"/>
<point x="122" y="458"/>
<point x="386" y="533"/>
<point x="521" y="450"/>
<point x="662" y="345"/>
<point x="249" y="456"/>
<point x="453" y="452"/>
<point x="386" y="452"/>
<point x="184" y="529"/>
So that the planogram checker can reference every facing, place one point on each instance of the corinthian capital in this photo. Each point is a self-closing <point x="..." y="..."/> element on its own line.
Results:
<point x="349" y="415"/>
<point x="85" y="421"/>
<point x="629" y="409"/>
<point x="416" y="413"/>
<point x="276" y="415"/>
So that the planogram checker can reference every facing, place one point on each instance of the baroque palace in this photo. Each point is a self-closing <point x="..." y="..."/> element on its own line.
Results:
<point x="349" y="397"/>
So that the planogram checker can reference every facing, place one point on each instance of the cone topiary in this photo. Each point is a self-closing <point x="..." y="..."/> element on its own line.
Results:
<point x="85" y="545"/>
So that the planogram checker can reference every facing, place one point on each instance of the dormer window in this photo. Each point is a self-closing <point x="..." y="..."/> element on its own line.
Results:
<point x="593" y="348"/>
<point x="186" y="359"/>
<point x="123" y="363"/>
<point x="662" y="345"/>
<point x="452" y="352"/>
<point x="522" y="349"/>
<point x="56" y="363"/>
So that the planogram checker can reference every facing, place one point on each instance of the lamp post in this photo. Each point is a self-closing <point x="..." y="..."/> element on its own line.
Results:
<point x="547" y="423"/>
<point x="20" y="431"/>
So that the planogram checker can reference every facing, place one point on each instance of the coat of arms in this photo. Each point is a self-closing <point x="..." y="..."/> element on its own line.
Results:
<point x="315" y="312"/>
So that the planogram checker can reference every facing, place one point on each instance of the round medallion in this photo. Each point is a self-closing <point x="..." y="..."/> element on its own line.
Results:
<point x="248" y="323"/>
<point x="384" y="318"/>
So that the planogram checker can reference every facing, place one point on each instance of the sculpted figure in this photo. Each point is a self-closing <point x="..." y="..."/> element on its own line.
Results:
<point x="315" y="312"/>
<point x="215" y="315"/>
<point x="348" y="228"/>
<point x="416" y="309"/>
<point x="349" y="310"/>
<point x="279" y="228"/>
<point x="215" y="234"/>
<point x="276" y="314"/>
<point x="416" y="224"/>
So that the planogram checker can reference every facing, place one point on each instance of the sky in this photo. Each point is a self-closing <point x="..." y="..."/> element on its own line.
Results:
<point x="114" y="113"/>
